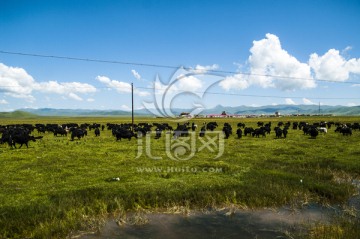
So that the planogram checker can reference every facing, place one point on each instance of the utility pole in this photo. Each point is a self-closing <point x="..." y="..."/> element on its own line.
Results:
<point x="132" y="106"/>
<point x="319" y="107"/>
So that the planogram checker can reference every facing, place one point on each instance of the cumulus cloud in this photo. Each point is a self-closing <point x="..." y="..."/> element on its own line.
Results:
<point x="237" y="81"/>
<point x="189" y="83"/>
<point x="289" y="101"/>
<point x="90" y="100"/>
<point x="136" y="74"/>
<point x="333" y="66"/>
<point x="351" y="104"/>
<point x="267" y="60"/>
<point x="16" y="82"/>
<point x="119" y="86"/>
<point x="3" y="102"/>
<point x="307" y="102"/>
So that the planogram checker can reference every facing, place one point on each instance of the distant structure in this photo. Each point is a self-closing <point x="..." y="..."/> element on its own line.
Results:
<point x="185" y="115"/>
<point x="277" y="114"/>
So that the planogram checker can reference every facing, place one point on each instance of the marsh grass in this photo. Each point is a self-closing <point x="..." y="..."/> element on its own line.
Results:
<point x="57" y="187"/>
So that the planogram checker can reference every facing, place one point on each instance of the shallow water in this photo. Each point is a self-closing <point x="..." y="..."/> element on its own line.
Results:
<point x="225" y="223"/>
<point x="216" y="224"/>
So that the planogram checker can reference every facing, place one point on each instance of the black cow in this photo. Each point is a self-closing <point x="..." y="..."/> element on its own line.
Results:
<point x="211" y="126"/>
<point x="239" y="133"/>
<point x="60" y="131"/>
<point x="77" y="133"/>
<point x="125" y="134"/>
<point x="241" y="125"/>
<point x="202" y="131"/>
<point x="193" y="126"/>
<point x="259" y="131"/>
<point x="248" y="130"/>
<point x="97" y="132"/>
<point x="346" y="131"/>
<point x="24" y="139"/>
<point x="278" y="132"/>
<point x="313" y="131"/>
<point x="158" y="132"/>
<point x="227" y="131"/>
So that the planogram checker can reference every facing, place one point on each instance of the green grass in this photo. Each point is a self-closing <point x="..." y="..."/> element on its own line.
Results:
<point x="58" y="186"/>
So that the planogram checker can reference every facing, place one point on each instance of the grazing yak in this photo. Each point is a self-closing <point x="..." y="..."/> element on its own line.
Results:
<point x="259" y="131"/>
<point x="239" y="133"/>
<point x="182" y="130"/>
<point x="97" y="132"/>
<point x="344" y="130"/>
<point x="280" y="132"/>
<point x="227" y="130"/>
<point x="248" y="131"/>
<point x="20" y="136"/>
<point x="77" y="133"/>
<point x="124" y="134"/>
<point x="211" y="126"/>
<point x="241" y="125"/>
<point x="202" y="131"/>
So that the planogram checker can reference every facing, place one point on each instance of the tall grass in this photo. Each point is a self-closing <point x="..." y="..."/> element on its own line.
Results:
<point x="58" y="186"/>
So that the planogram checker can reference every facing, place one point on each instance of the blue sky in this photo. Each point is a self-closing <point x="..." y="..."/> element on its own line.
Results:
<point x="305" y="42"/>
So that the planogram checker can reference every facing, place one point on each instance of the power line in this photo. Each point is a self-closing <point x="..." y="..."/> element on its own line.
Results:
<point x="260" y="96"/>
<point x="214" y="93"/>
<point x="167" y="66"/>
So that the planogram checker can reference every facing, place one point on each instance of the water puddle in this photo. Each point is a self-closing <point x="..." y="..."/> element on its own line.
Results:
<point x="225" y="223"/>
<point x="216" y="224"/>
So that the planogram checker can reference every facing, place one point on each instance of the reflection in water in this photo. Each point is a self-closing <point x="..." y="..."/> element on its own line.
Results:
<point x="216" y="224"/>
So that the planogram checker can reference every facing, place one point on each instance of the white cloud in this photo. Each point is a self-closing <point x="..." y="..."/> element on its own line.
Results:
<point x="125" y="107"/>
<point x="344" y="51"/>
<point x="74" y="97"/>
<point x="203" y="69"/>
<point x="351" y="104"/>
<point x="333" y="66"/>
<point x="289" y="101"/>
<point x="16" y="82"/>
<point x="268" y="58"/>
<point x="90" y="100"/>
<point x="64" y="88"/>
<point x="161" y="89"/>
<point x="3" y="102"/>
<point x="355" y="85"/>
<point x="136" y="74"/>
<point x="119" y="86"/>
<point x="307" y="102"/>
<point x="189" y="83"/>
<point x="237" y="81"/>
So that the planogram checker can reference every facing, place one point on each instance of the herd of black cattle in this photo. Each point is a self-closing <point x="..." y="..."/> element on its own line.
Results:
<point x="21" y="133"/>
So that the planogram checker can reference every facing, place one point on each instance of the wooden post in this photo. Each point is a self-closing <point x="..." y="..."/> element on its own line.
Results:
<point x="132" y="106"/>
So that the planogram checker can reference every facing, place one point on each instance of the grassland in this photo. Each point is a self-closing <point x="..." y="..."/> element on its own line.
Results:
<point x="57" y="186"/>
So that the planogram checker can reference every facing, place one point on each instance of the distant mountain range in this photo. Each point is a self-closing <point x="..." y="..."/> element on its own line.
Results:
<point x="242" y="110"/>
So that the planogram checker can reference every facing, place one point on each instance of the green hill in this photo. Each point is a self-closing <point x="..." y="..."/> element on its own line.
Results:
<point x="17" y="114"/>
